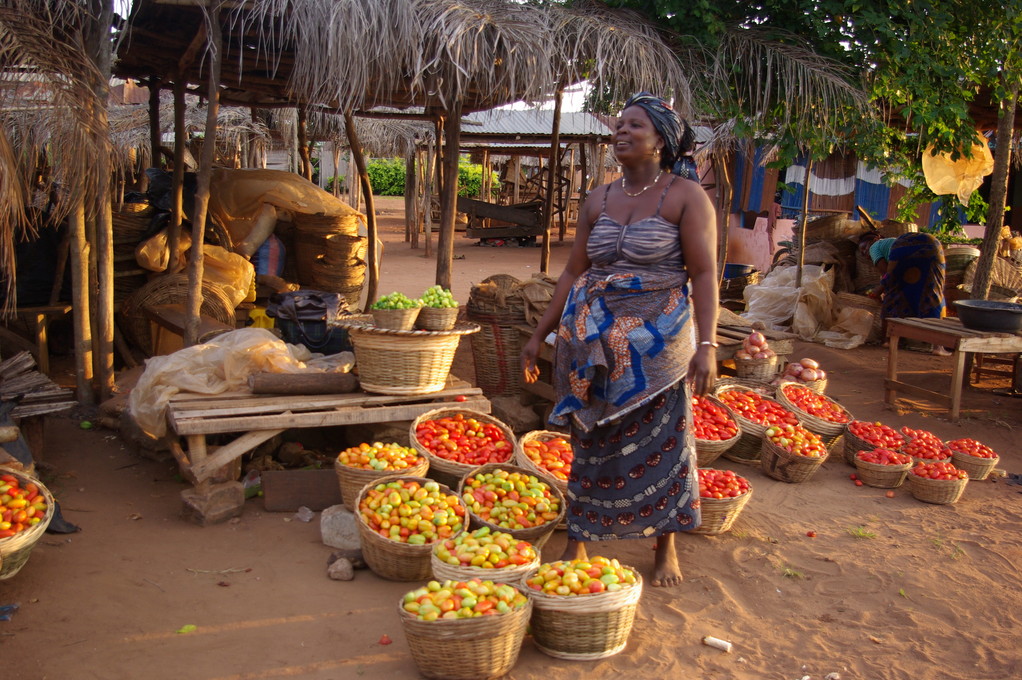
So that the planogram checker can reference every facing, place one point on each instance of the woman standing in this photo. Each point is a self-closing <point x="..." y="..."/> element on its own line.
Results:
<point x="626" y="354"/>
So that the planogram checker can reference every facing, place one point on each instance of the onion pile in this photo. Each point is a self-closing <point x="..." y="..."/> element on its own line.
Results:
<point x="805" y="370"/>
<point x="754" y="347"/>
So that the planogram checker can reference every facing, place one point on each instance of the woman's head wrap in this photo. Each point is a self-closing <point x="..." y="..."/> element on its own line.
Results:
<point x="679" y="139"/>
<point x="881" y="250"/>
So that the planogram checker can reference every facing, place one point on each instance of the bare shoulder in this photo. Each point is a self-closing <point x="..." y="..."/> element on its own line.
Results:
<point x="593" y="203"/>
<point x="685" y="197"/>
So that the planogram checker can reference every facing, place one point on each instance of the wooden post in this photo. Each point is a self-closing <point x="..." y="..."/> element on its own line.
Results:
<point x="79" y="252"/>
<point x="367" y="189"/>
<point x="410" y="190"/>
<point x="484" y="177"/>
<point x="553" y="168"/>
<point x="802" y="223"/>
<point x="517" y="165"/>
<point x="601" y="165"/>
<point x="429" y="174"/>
<point x="725" y="192"/>
<point x="303" y="143"/>
<point x="178" y="178"/>
<point x="448" y="197"/>
<point x="155" y="131"/>
<point x="566" y="199"/>
<point x="195" y="263"/>
<point x="336" y="149"/>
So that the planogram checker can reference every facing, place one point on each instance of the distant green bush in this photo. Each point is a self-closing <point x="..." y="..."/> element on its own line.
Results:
<point x="387" y="176"/>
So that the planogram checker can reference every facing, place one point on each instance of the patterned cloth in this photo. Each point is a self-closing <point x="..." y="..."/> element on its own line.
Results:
<point x="636" y="478"/>
<point x="914" y="283"/>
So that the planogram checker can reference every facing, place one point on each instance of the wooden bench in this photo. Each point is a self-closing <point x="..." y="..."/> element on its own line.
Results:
<point x="946" y="333"/>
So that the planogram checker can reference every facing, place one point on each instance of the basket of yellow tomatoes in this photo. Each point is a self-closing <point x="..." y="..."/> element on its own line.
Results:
<point x="26" y="508"/>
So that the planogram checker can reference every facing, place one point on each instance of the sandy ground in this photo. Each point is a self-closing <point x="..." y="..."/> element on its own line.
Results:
<point x="923" y="591"/>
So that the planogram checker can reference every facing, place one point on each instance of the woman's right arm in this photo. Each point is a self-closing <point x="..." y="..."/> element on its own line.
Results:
<point x="578" y="262"/>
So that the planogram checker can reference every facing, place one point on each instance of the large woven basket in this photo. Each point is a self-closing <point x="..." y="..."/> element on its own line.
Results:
<point x="393" y="560"/>
<point x="760" y="386"/>
<point x="498" y="306"/>
<point x="436" y="318"/>
<point x="719" y="514"/>
<point x="583" y="627"/>
<point x="450" y="472"/>
<point x="708" y="450"/>
<point x="478" y="648"/>
<point x="881" y="476"/>
<point x="757" y="369"/>
<point x="171" y="289"/>
<point x="749" y="446"/>
<point x="870" y="305"/>
<point x="936" y="491"/>
<point x="537" y="535"/>
<point x="854" y="444"/>
<point x="15" y="550"/>
<point x="511" y="575"/>
<point x="395" y="319"/>
<point x="353" y="480"/>
<point x="978" y="468"/>
<point x="828" y="430"/>
<point x="734" y="288"/>
<point x="788" y="467"/>
<point x="404" y="362"/>
<point x="523" y="460"/>
<point x="866" y="273"/>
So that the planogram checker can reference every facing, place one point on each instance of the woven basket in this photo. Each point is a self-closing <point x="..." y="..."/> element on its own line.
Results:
<point x="171" y="289"/>
<point x="352" y="480"/>
<point x="393" y="560"/>
<point x="708" y="451"/>
<point x="479" y="648"/>
<point x="827" y="430"/>
<point x="760" y="386"/>
<point x="537" y="535"/>
<point x="734" y="289"/>
<point x="978" y="468"/>
<point x="854" y="444"/>
<point x="523" y="460"/>
<point x="583" y="627"/>
<point x="866" y="273"/>
<point x="395" y="319"/>
<point x="498" y="306"/>
<point x="450" y="472"/>
<point x="881" y="476"/>
<point x="870" y="305"/>
<point x="936" y="491"/>
<point x="757" y="369"/>
<point x="719" y="514"/>
<point x="510" y="575"/>
<point x="403" y="362"/>
<point x="436" y="318"/>
<point x="818" y="386"/>
<point x="750" y="444"/>
<point x="15" y="550"/>
<point x="788" y="467"/>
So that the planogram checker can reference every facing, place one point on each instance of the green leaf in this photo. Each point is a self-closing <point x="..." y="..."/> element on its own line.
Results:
<point x="189" y="628"/>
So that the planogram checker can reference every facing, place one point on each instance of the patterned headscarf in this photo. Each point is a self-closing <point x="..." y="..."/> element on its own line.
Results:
<point x="677" y="135"/>
<point x="881" y="250"/>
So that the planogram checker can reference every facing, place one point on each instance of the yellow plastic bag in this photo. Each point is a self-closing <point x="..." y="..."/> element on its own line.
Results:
<point x="232" y="271"/>
<point x="960" y="177"/>
<point x="154" y="254"/>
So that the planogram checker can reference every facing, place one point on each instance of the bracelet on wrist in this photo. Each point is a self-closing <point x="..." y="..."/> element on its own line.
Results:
<point x="709" y="343"/>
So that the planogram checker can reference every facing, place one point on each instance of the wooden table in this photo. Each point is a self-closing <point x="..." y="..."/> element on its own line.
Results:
<point x="948" y="333"/>
<point x="38" y="319"/>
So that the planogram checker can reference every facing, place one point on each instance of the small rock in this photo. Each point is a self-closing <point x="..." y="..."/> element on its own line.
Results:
<point x="338" y="528"/>
<point x="353" y="556"/>
<point x="341" y="570"/>
<point x="304" y="514"/>
<point x="832" y="676"/>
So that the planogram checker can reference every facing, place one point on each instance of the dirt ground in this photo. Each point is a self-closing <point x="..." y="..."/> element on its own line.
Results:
<point x="888" y="588"/>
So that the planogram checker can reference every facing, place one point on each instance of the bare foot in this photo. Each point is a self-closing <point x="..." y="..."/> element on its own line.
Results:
<point x="940" y="351"/>
<point x="574" y="550"/>
<point x="666" y="571"/>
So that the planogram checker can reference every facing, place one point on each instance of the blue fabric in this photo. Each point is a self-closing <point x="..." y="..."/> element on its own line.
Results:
<point x="881" y="250"/>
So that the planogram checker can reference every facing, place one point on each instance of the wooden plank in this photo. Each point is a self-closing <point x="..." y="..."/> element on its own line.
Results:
<point x="351" y="416"/>
<point x="894" y="386"/>
<point x="225" y="454"/>
<point x="1007" y="344"/>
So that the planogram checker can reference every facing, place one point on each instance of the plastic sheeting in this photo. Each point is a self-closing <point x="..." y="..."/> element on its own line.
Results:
<point x="223" y="364"/>
<point x="959" y="177"/>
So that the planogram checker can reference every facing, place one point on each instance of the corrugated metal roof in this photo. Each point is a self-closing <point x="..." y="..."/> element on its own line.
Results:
<point x="504" y="123"/>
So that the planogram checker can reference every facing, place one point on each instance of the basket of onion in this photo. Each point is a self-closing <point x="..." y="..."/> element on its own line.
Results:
<point x="808" y="372"/>
<point x="755" y="359"/>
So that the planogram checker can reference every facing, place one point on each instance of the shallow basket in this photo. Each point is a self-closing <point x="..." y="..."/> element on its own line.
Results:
<point x="446" y="471"/>
<point x="978" y="468"/>
<point x="392" y="560"/>
<point x="478" y="648"/>
<point x="818" y="386"/>
<point x="537" y="535"/>
<point x="510" y="575"/>
<point x="404" y="362"/>
<point x="707" y="450"/>
<point x="827" y="430"/>
<point x="788" y="467"/>
<point x="395" y="319"/>
<point x="523" y="460"/>
<point x="881" y="476"/>
<point x="436" y="318"/>
<point x="719" y="514"/>
<point x="853" y="444"/>
<point x="750" y="444"/>
<point x="757" y="369"/>
<point x="15" y="550"/>
<point x="936" y="491"/>
<point x="583" y="627"/>
<point x="352" y="480"/>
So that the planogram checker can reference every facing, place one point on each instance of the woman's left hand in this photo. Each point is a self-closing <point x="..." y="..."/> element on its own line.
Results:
<point x="702" y="369"/>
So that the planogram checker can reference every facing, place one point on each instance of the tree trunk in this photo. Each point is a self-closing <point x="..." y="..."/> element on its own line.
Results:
<point x="303" y="144"/>
<point x="410" y="191"/>
<point x="803" y="221"/>
<point x="429" y="181"/>
<point x="178" y="178"/>
<point x="448" y="198"/>
<point x="195" y="264"/>
<point x="998" y="195"/>
<point x="725" y="192"/>
<point x="79" y="253"/>
<point x="553" y="168"/>
<point x="155" y="131"/>
<point x="372" y="265"/>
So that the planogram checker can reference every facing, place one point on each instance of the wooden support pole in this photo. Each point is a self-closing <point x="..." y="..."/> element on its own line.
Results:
<point x="195" y="263"/>
<point x="448" y="197"/>
<point x="178" y="178"/>
<point x="79" y="253"/>
<point x="303" y="143"/>
<point x="372" y="265"/>
<point x="803" y="221"/>
<point x="725" y="192"/>
<point x="410" y="191"/>
<point x="155" y="131"/>
<point x="553" y="168"/>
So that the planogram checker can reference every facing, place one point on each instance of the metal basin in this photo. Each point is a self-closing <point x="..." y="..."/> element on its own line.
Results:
<point x="990" y="315"/>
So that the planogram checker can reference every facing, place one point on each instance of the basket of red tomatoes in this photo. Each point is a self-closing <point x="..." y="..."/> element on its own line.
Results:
<point x="974" y="457"/>
<point x="548" y="454"/>
<point x="456" y="441"/>
<point x="754" y="412"/>
<point x="861" y="435"/>
<point x="791" y="453"/>
<point x="924" y="446"/>
<point x="26" y="508"/>
<point x="722" y="495"/>
<point x="816" y="411"/>
<point x="715" y="428"/>
<point x="882" y="468"/>
<point x="939" y="482"/>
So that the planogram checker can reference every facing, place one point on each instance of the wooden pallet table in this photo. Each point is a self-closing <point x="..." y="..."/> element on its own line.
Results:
<point x="948" y="333"/>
